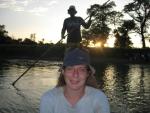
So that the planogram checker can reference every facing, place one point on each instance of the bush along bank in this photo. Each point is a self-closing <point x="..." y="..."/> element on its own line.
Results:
<point x="56" y="52"/>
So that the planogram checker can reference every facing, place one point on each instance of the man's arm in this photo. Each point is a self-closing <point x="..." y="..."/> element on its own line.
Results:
<point x="87" y="25"/>
<point x="63" y="30"/>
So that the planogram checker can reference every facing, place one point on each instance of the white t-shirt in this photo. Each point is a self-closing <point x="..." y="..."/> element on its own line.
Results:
<point x="93" y="101"/>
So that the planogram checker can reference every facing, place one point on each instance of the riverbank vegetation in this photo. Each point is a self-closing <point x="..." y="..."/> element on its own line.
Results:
<point x="56" y="52"/>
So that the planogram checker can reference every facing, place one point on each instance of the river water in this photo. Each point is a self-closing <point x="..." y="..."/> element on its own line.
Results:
<point x="126" y="85"/>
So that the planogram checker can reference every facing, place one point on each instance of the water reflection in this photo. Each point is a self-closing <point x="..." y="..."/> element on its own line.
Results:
<point x="26" y="96"/>
<point x="114" y="86"/>
<point x="127" y="86"/>
<point x="139" y="87"/>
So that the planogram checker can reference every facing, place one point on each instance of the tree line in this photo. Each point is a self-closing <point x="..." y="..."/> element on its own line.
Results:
<point x="105" y="20"/>
<point x="6" y="39"/>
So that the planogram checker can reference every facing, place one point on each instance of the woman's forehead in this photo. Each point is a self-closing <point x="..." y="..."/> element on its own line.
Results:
<point x="80" y="65"/>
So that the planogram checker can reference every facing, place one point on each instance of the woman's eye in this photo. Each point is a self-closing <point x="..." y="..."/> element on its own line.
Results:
<point x="69" y="68"/>
<point x="82" y="69"/>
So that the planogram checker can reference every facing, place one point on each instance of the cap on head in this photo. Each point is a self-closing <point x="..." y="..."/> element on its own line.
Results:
<point x="76" y="57"/>
<point x="72" y="9"/>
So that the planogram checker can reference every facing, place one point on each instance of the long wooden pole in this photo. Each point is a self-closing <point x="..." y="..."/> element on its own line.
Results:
<point x="33" y="64"/>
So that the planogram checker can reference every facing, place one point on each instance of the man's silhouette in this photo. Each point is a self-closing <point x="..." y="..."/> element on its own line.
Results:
<point x="72" y="25"/>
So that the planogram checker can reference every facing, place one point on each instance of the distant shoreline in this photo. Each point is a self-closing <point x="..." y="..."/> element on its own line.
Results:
<point x="101" y="55"/>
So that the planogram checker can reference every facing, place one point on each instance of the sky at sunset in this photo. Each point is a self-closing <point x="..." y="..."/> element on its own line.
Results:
<point x="44" y="17"/>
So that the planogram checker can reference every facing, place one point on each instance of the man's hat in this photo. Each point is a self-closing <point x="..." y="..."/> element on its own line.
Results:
<point x="72" y="8"/>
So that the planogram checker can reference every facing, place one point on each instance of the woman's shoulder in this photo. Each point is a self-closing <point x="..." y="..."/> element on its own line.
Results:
<point x="54" y="92"/>
<point x="95" y="92"/>
<point x="99" y="98"/>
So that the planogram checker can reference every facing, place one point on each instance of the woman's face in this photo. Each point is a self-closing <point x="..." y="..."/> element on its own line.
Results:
<point x="75" y="76"/>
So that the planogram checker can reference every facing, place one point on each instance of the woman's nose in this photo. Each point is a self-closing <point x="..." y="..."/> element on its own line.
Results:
<point x="75" y="73"/>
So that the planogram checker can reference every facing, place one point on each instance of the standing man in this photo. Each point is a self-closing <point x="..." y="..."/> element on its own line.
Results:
<point x="72" y="25"/>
